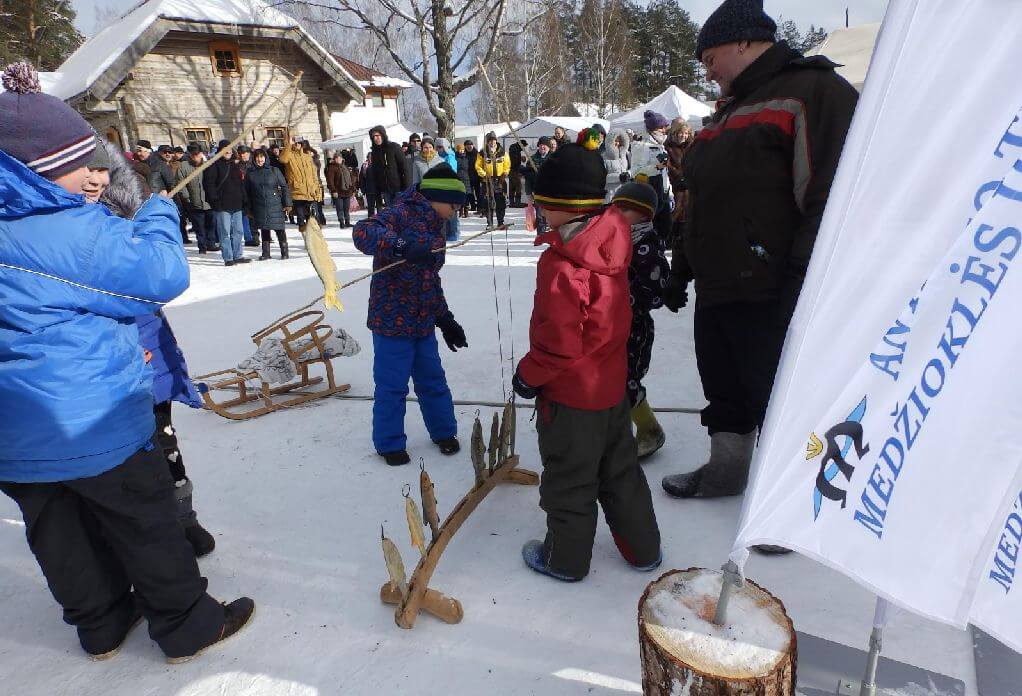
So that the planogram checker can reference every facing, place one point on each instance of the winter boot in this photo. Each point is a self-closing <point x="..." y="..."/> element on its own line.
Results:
<point x="649" y="436"/>
<point x="282" y="241"/>
<point x="266" y="251"/>
<point x="202" y="541"/>
<point x="106" y="652"/>
<point x="725" y="474"/>
<point x="448" y="446"/>
<point x="534" y="555"/>
<point x="237" y="614"/>
<point x="396" y="458"/>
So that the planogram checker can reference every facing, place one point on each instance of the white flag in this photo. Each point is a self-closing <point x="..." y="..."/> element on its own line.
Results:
<point x="892" y="449"/>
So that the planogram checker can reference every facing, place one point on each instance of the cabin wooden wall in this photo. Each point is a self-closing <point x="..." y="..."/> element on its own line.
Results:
<point x="174" y="87"/>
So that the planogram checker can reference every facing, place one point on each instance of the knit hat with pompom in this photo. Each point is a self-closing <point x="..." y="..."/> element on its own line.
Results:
<point x="40" y="130"/>
<point x="573" y="178"/>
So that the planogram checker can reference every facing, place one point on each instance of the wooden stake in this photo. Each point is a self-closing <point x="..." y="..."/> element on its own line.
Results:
<point x="244" y="131"/>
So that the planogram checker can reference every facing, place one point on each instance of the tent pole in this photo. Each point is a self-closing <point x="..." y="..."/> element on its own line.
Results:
<point x="876" y="644"/>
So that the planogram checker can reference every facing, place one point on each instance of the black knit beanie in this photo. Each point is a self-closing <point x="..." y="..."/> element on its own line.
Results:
<point x="733" y="21"/>
<point x="638" y="197"/>
<point x="572" y="179"/>
<point x="40" y="130"/>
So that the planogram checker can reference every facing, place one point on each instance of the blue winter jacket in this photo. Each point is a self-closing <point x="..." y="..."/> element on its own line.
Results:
<point x="75" y="390"/>
<point x="170" y="372"/>
<point x="407" y="300"/>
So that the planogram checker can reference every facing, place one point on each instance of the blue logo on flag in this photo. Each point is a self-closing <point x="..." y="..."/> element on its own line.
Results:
<point x="834" y="447"/>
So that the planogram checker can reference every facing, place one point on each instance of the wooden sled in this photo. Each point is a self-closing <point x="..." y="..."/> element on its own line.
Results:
<point x="291" y="331"/>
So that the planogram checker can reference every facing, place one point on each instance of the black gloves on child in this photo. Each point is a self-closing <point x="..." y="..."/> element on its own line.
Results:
<point x="521" y="388"/>
<point x="412" y="252"/>
<point x="454" y="335"/>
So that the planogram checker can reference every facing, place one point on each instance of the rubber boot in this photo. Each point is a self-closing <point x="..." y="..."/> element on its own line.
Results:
<point x="202" y="541"/>
<point x="727" y="472"/>
<point x="282" y="241"/>
<point x="649" y="436"/>
<point x="266" y="251"/>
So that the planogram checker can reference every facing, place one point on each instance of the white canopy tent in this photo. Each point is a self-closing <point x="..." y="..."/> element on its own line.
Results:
<point x="672" y="103"/>
<point x="535" y="129"/>
<point x="360" y="140"/>
<point x="853" y="49"/>
<point x="477" y="132"/>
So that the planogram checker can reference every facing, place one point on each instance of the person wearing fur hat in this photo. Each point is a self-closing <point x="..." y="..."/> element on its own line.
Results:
<point x="493" y="167"/>
<point x="79" y="454"/>
<point x="615" y="159"/>
<point x="648" y="273"/>
<point x="406" y="306"/>
<point x="576" y="369"/>
<point x="758" y="179"/>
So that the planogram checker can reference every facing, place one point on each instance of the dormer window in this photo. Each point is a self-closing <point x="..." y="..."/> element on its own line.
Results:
<point x="224" y="57"/>
<point x="377" y="99"/>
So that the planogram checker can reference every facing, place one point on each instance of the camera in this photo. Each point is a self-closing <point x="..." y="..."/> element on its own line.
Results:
<point x="661" y="157"/>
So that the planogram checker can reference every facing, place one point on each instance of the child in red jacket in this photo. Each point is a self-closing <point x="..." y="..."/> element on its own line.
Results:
<point x="577" y="368"/>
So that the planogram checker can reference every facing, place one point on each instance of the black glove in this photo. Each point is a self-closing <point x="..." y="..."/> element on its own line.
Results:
<point x="454" y="335"/>
<point x="521" y="388"/>
<point x="412" y="252"/>
<point x="623" y="177"/>
<point x="675" y="294"/>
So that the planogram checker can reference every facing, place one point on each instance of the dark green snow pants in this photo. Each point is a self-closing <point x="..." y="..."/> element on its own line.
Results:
<point x="590" y="456"/>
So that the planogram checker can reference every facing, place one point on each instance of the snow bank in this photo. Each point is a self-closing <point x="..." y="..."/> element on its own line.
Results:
<point x="750" y="645"/>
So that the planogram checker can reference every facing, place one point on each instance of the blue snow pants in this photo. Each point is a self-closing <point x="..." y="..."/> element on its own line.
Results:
<point x="395" y="361"/>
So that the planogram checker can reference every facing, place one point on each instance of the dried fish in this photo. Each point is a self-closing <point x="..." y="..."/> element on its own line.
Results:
<point x="395" y="566"/>
<point x="428" y="502"/>
<point x="414" y="521"/>
<point x="494" y="443"/>
<point x="505" y="435"/>
<point x="478" y="451"/>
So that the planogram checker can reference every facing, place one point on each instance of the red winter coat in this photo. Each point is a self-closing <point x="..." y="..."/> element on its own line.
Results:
<point x="582" y="316"/>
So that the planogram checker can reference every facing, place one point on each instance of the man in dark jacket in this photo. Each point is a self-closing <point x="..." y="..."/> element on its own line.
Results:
<point x="390" y="166"/>
<point x="758" y="175"/>
<point x="515" y="176"/>
<point x="161" y="175"/>
<point x="471" y="155"/>
<point x="225" y="193"/>
<point x="193" y="200"/>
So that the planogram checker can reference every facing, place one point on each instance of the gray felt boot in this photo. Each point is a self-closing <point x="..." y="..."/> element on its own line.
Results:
<point x="727" y="472"/>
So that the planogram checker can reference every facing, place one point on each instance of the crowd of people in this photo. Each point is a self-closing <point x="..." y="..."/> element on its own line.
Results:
<point x="88" y="256"/>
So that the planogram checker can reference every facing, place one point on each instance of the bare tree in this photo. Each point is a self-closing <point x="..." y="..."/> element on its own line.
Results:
<point x="605" y="54"/>
<point x="450" y="37"/>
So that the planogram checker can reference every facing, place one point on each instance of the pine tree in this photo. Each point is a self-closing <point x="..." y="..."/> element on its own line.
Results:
<point x="664" y="37"/>
<point x="40" y="31"/>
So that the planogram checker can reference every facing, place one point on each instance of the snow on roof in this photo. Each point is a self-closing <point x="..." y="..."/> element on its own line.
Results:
<point x="92" y="58"/>
<point x="853" y="49"/>
<point x="671" y="103"/>
<point x="368" y="77"/>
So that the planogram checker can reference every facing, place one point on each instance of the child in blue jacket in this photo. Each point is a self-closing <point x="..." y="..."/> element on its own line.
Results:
<point x="76" y="438"/>
<point x="406" y="306"/>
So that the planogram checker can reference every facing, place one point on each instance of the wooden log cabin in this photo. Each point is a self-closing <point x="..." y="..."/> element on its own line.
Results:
<point x="180" y="72"/>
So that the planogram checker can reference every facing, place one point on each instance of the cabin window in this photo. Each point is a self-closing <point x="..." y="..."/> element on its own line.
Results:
<point x="276" y="137"/>
<point x="377" y="99"/>
<point x="202" y="137"/>
<point x="224" y="57"/>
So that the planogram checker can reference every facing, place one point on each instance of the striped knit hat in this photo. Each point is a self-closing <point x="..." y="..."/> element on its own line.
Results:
<point x="638" y="197"/>
<point x="573" y="178"/>
<point x="41" y="131"/>
<point x="442" y="185"/>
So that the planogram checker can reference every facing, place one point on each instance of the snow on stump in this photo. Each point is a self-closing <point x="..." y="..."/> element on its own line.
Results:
<point x="685" y="654"/>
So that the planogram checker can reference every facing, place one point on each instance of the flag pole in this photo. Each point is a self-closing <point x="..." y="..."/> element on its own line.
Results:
<point x="732" y="579"/>
<point x="876" y="644"/>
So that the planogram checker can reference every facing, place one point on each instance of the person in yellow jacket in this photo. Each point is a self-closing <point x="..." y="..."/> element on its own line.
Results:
<point x="493" y="167"/>
<point x="302" y="177"/>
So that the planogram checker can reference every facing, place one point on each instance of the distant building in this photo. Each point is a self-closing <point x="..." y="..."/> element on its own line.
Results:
<point x="379" y="107"/>
<point x="183" y="72"/>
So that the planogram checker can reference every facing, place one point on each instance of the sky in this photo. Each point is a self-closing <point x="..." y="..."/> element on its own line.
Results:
<point x="829" y="14"/>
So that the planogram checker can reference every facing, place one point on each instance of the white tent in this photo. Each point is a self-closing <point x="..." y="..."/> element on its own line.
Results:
<point x="476" y="133"/>
<point x="672" y="103"/>
<point x="853" y="49"/>
<point x="360" y="140"/>
<point x="535" y="129"/>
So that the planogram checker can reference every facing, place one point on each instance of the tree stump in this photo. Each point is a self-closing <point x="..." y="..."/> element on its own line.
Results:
<point x="684" y="654"/>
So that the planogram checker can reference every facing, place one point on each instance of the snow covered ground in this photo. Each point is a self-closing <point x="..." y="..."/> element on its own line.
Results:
<point x="296" y="499"/>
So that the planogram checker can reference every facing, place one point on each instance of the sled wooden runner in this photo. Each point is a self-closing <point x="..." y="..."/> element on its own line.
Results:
<point x="304" y="326"/>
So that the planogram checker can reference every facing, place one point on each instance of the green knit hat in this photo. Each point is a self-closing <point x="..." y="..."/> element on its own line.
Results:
<point x="442" y="185"/>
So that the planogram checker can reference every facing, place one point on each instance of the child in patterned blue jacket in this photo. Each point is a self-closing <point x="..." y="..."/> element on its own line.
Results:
<point x="406" y="306"/>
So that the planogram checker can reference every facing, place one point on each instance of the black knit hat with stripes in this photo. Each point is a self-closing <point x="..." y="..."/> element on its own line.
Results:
<point x="40" y="130"/>
<point x="571" y="179"/>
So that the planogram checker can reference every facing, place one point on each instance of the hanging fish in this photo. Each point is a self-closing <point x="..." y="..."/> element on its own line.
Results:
<point x="505" y="435"/>
<point x="514" y="426"/>
<point x="478" y="451"/>
<point x="414" y="521"/>
<point x="494" y="443"/>
<point x="428" y="501"/>
<point x="395" y="566"/>
<point x="323" y="262"/>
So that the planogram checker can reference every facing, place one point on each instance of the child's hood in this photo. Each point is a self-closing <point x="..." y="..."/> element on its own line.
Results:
<point x="602" y="245"/>
<point x="23" y="192"/>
